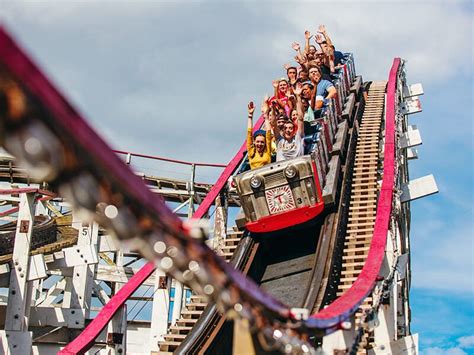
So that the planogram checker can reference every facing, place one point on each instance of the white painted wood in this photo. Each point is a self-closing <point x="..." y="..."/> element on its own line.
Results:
<point x="109" y="243"/>
<point x="100" y="293"/>
<point x="41" y="209"/>
<point x="411" y="138"/>
<point x="339" y="340"/>
<point x="37" y="267"/>
<point x="419" y="188"/>
<point x="401" y="267"/>
<point x="119" y="274"/>
<point x="118" y="324"/>
<point x="80" y="255"/>
<point x="54" y="291"/>
<point x="410" y="106"/>
<point x="79" y="290"/>
<point x="15" y="342"/>
<point x="405" y="346"/>
<point x="177" y="301"/>
<point x="413" y="90"/>
<point x="56" y="317"/>
<point x="412" y="153"/>
<point x="4" y="269"/>
<point x="159" y="315"/>
<point x="18" y="299"/>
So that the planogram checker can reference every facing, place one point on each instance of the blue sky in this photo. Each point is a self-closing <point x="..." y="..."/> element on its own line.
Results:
<point x="173" y="79"/>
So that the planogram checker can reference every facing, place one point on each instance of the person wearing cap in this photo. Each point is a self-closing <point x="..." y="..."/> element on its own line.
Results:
<point x="290" y="143"/>
<point x="259" y="147"/>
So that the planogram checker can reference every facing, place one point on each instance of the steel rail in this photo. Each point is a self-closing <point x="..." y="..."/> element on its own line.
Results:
<point x="348" y="303"/>
<point x="177" y="161"/>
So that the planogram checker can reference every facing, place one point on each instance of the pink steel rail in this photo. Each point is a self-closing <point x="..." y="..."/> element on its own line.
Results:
<point x="348" y="303"/>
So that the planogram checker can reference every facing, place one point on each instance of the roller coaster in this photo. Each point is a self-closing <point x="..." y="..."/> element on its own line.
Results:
<point x="80" y="223"/>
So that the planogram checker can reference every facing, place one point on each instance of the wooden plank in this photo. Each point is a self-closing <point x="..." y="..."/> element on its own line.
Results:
<point x="356" y="85"/>
<point x="332" y="179"/>
<point x="284" y="268"/>
<point x="349" y="107"/>
<point x="341" y="137"/>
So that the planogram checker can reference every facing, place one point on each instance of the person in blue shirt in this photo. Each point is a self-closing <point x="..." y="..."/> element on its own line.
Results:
<point x="323" y="90"/>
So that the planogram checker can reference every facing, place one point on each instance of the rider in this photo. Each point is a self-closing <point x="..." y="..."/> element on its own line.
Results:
<point x="259" y="144"/>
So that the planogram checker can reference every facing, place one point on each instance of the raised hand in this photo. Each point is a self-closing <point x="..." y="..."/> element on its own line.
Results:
<point x="298" y="89"/>
<point x="322" y="29"/>
<point x="275" y="83"/>
<point x="295" y="46"/>
<point x="307" y="34"/>
<point x="265" y="108"/>
<point x="286" y="66"/>
<point x="251" y="108"/>
<point x="319" y="39"/>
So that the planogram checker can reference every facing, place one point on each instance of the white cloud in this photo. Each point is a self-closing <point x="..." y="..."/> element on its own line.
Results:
<point x="442" y="351"/>
<point x="466" y="341"/>
<point x="435" y="38"/>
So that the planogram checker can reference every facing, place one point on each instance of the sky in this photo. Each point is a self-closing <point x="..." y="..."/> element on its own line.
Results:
<point x="173" y="78"/>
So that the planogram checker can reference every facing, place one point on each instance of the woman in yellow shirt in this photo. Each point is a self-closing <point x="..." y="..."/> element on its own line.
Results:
<point x="259" y="144"/>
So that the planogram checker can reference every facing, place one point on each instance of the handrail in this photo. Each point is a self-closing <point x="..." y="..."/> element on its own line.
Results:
<point x="348" y="303"/>
<point x="154" y="157"/>
<point x="86" y="339"/>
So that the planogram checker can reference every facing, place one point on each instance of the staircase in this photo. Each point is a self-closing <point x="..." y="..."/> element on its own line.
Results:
<point x="193" y="310"/>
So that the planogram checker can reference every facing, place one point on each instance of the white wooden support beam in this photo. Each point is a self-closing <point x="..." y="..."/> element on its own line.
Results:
<point x="41" y="208"/>
<point x="117" y="327"/>
<point x="386" y="329"/>
<point x="119" y="274"/>
<point x="402" y="262"/>
<point x="159" y="315"/>
<point x="341" y="340"/>
<point x="81" y="255"/>
<point x="16" y="337"/>
<point x="108" y="243"/>
<point x="177" y="301"/>
<point x="410" y="138"/>
<point x="4" y="275"/>
<point x="9" y="198"/>
<point x="410" y="106"/>
<point x="17" y="302"/>
<point x="412" y="153"/>
<point x="15" y="342"/>
<point x="100" y="293"/>
<point x="413" y="90"/>
<point x="54" y="291"/>
<point x="78" y="292"/>
<point x="404" y="346"/>
<point x="55" y="316"/>
<point x="419" y="188"/>
<point x="37" y="268"/>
